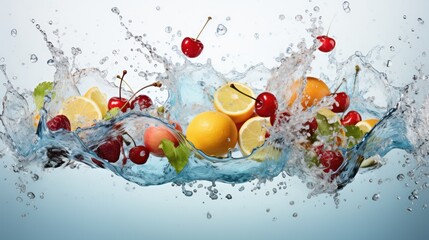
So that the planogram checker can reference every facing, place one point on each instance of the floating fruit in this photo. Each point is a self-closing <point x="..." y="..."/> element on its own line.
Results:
<point x="81" y="111"/>
<point x="265" y="103"/>
<point x="351" y="118"/>
<point x="192" y="47"/>
<point x="252" y="134"/>
<point x="119" y="102"/>
<point x="237" y="106"/>
<point x="327" y="43"/>
<point x="59" y="122"/>
<point x="99" y="98"/>
<point x="154" y="135"/>
<point x="313" y="92"/>
<point x="367" y="124"/>
<point x="212" y="132"/>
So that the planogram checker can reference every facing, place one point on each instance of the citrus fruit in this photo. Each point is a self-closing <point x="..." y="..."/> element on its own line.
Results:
<point x="252" y="134"/>
<point x="99" y="98"/>
<point x="313" y="92"/>
<point x="234" y="104"/>
<point x="81" y="111"/>
<point x="367" y="124"/>
<point x="212" y="132"/>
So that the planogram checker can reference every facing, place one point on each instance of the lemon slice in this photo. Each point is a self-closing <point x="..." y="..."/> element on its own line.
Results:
<point x="252" y="134"/>
<point x="99" y="98"/>
<point x="81" y="111"/>
<point x="367" y="124"/>
<point x="234" y="104"/>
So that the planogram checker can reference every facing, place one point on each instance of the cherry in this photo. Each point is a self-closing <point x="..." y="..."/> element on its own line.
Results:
<point x="144" y="101"/>
<point x="265" y="103"/>
<point x="110" y="150"/>
<point x="283" y="117"/>
<point x="311" y="126"/>
<point x="351" y="118"/>
<point x="331" y="160"/>
<point x="342" y="102"/>
<point x="327" y="43"/>
<point x="59" y="122"/>
<point x="119" y="102"/>
<point x="139" y="154"/>
<point x="192" y="47"/>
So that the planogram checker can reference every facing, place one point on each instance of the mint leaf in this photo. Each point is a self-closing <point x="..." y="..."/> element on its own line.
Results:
<point x="40" y="91"/>
<point x="177" y="156"/>
<point x="111" y="113"/>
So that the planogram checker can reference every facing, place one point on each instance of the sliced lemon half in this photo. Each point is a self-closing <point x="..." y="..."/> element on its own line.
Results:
<point x="252" y="134"/>
<point x="367" y="124"/>
<point x="99" y="98"/>
<point x="81" y="111"/>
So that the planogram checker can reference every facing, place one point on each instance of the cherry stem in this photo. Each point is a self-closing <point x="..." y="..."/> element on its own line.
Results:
<point x="155" y="84"/>
<point x="357" y="70"/>
<point x="247" y="95"/>
<point x="330" y="24"/>
<point x="336" y="90"/>
<point x="132" y="139"/>
<point x="122" y="79"/>
<point x="208" y="19"/>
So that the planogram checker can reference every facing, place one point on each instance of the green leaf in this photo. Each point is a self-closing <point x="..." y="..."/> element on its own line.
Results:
<point x="111" y="113"/>
<point x="40" y="91"/>
<point x="177" y="156"/>
<point x="354" y="135"/>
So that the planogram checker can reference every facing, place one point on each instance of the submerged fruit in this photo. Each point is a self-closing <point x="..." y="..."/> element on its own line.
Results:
<point x="81" y="111"/>
<point x="252" y="134"/>
<point x="313" y="92"/>
<point x="154" y="135"/>
<point x="212" y="132"/>
<point x="99" y="98"/>
<point x="367" y="124"/>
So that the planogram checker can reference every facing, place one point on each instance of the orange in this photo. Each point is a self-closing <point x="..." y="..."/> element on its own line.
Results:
<point x="313" y="92"/>
<point x="367" y="124"/>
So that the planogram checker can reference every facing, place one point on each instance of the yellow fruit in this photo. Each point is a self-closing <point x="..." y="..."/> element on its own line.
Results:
<point x="313" y="92"/>
<point x="99" y="98"/>
<point x="367" y="124"/>
<point x="252" y="134"/>
<point x="234" y="104"/>
<point x="81" y="111"/>
<point x="212" y="132"/>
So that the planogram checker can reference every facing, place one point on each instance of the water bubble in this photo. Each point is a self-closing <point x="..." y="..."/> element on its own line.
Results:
<point x="76" y="51"/>
<point x="298" y="17"/>
<point x="158" y="8"/>
<point x="228" y="18"/>
<point x="425" y="206"/>
<point x="282" y="17"/>
<point x="346" y="6"/>
<point x="295" y="214"/>
<point x="420" y="20"/>
<point x="33" y="58"/>
<point x="33" y="20"/>
<point x="404" y="17"/>
<point x="400" y="177"/>
<point x="291" y="203"/>
<point x="35" y="177"/>
<point x="50" y="62"/>
<point x="168" y="29"/>
<point x="316" y="8"/>
<point x="42" y="195"/>
<point x="228" y="196"/>
<point x="104" y="60"/>
<point x="256" y="35"/>
<point x="221" y="30"/>
<point x="209" y="215"/>
<point x="13" y="32"/>
<point x="392" y="48"/>
<point x="409" y="209"/>
<point x="31" y="195"/>
<point x="375" y="197"/>
<point x="115" y="10"/>
<point x="19" y="199"/>
<point x="241" y="189"/>
<point x="389" y="63"/>
<point x="179" y="33"/>
<point x="2" y="59"/>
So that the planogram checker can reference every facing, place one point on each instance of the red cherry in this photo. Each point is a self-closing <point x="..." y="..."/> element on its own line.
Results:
<point x="116" y="102"/>
<point x="351" y="118"/>
<point x="331" y="160"/>
<point x="266" y="104"/>
<point x="311" y="126"/>
<point x="139" y="154"/>
<point x="342" y="102"/>
<point x="143" y="101"/>
<point x="110" y="150"/>
<point x="59" y="122"/>
<point x="283" y="117"/>
<point x="327" y="43"/>
<point x="192" y="47"/>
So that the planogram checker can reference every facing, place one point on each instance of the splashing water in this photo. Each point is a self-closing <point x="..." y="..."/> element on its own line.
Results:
<point x="190" y="89"/>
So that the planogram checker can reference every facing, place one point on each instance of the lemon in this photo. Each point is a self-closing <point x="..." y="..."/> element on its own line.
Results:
<point x="81" y="111"/>
<point x="367" y="124"/>
<point x="212" y="132"/>
<point x="252" y="134"/>
<point x="99" y="98"/>
<point x="234" y="104"/>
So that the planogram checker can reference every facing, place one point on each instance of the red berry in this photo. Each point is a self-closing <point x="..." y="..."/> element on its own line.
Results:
<point x="311" y="126"/>
<point x="139" y="154"/>
<point x="266" y="104"/>
<point x="116" y="102"/>
<point x="143" y="101"/>
<point x="327" y="43"/>
<point x="342" y="102"/>
<point x="59" y="122"/>
<point x="110" y="150"/>
<point x="192" y="47"/>
<point x="331" y="160"/>
<point x="283" y="117"/>
<point x="351" y="118"/>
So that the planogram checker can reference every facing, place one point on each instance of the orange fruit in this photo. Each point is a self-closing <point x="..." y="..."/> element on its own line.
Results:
<point x="313" y="92"/>
<point x="367" y="124"/>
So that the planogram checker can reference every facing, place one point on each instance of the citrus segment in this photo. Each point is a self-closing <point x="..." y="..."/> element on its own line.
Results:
<point x="252" y="134"/>
<point x="234" y="104"/>
<point x="99" y="98"/>
<point x="313" y="92"/>
<point x="367" y="124"/>
<point x="81" y="111"/>
<point x="212" y="132"/>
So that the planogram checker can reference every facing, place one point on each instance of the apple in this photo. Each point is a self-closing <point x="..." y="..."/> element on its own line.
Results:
<point x="154" y="135"/>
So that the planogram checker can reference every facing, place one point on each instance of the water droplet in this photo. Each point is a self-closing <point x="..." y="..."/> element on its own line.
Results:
<point x="2" y="59"/>
<point x="50" y="62"/>
<point x="35" y="177"/>
<point x="256" y="35"/>
<point x="168" y="29"/>
<point x="13" y="32"/>
<point x="392" y="48"/>
<point x="400" y="177"/>
<point x="295" y="214"/>
<point x="282" y="17"/>
<point x="298" y="17"/>
<point x="158" y="8"/>
<point x="221" y="30"/>
<point x="31" y="195"/>
<point x="375" y="197"/>
<point x="409" y="209"/>
<point x="104" y="60"/>
<point x="115" y="10"/>
<point x="42" y="195"/>
<point x="316" y="8"/>
<point x="19" y="199"/>
<point x="33" y="58"/>
<point x="228" y="18"/>
<point x="33" y="20"/>
<point x="209" y="215"/>
<point x="228" y="196"/>
<point x="389" y="63"/>
<point x="425" y="206"/>
<point x="50" y="22"/>
<point x="291" y="203"/>
<point x="346" y="6"/>
<point x="420" y="20"/>
<point x="241" y="189"/>
<point x="76" y="51"/>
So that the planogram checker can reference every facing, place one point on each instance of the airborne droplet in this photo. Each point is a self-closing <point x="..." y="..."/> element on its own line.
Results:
<point x="33" y="58"/>
<point x="13" y="32"/>
<point x="221" y="30"/>
<point x="346" y="6"/>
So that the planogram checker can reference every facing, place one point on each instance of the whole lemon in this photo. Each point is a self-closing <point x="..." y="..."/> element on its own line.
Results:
<point x="313" y="92"/>
<point x="212" y="132"/>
